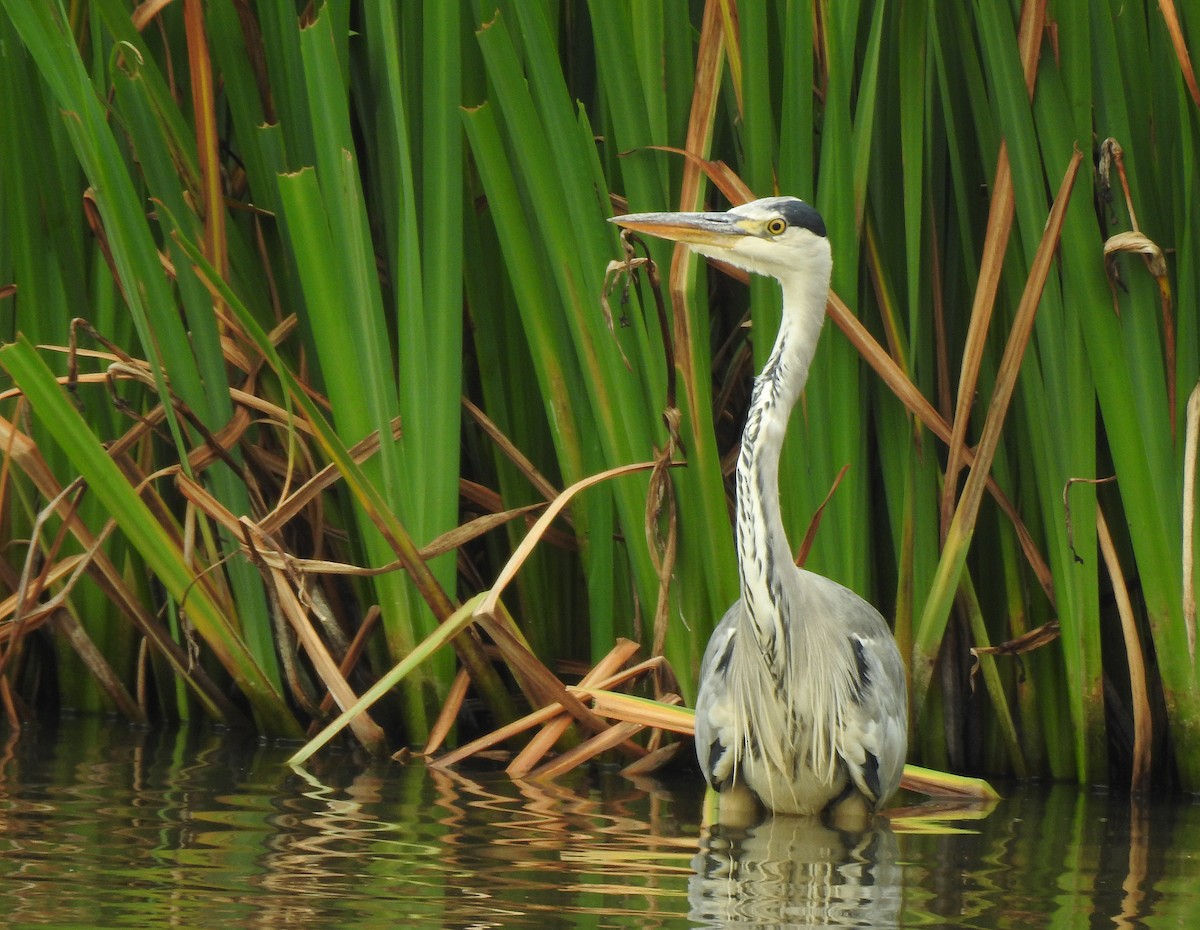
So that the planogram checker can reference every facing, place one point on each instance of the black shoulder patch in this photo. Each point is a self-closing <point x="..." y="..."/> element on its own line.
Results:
<point x="722" y="664"/>
<point x="715" y="750"/>
<point x="799" y="213"/>
<point x="871" y="776"/>
<point x="862" y="670"/>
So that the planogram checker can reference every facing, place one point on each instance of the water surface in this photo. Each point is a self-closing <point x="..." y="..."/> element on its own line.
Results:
<point x="102" y="826"/>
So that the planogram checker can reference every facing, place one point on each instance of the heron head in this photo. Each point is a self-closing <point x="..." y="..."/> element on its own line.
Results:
<point x="775" y="236"/>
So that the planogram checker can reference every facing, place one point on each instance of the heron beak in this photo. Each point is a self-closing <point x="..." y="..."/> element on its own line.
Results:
<point x="711" y="229"/>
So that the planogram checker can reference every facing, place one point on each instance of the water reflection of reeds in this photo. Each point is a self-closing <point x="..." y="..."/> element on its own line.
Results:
<point x="487" y="847"/>
<point x="122" y="827"/>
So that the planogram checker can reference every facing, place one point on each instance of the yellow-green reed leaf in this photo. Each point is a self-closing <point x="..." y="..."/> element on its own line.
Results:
<point x="635" y="709"/>
<point x="931" y="781"/>
<point x="452" y="626"/>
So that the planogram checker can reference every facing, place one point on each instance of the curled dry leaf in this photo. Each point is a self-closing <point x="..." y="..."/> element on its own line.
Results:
<point x="1134" y="242"/>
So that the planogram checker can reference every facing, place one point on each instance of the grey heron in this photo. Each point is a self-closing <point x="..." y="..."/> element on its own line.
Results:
<point x="802" y="704"/>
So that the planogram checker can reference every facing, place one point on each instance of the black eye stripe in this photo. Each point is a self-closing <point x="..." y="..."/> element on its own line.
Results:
<point x="799" y="213"/>
<point x="792" y="212"/>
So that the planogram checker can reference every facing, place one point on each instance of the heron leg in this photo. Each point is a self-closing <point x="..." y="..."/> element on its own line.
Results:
<point x="734" y="805"/>
<point x="851" y="812"/>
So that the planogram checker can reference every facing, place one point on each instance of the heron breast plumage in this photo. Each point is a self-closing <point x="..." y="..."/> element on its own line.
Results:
<point x="820" y="729"/>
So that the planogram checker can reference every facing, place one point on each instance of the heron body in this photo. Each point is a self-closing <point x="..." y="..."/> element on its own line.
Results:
<point x="802" y="698"/>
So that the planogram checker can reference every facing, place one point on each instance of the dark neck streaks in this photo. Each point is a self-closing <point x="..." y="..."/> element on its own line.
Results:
<point x="764" y="555"/>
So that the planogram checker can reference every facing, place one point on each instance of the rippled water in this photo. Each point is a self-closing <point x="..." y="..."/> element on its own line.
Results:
<point x="101" y="826"/>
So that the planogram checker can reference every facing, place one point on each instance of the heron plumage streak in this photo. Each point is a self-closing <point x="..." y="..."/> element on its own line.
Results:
<point x="802" y="699"/>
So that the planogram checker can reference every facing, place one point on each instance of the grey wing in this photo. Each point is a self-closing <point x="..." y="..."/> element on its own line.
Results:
<point x="716" y="744"/>
<point x="874" y="739"/>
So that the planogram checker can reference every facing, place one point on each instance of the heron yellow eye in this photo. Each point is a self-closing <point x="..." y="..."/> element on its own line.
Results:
<point x="776" y="226"/>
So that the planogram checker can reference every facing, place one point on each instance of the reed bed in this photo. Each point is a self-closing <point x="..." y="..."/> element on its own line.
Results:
<point x="319" y="356"/>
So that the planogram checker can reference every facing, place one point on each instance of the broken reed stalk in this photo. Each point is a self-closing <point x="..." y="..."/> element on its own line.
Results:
<point x="1138" y="691"/>
<point x="1190" y="443"/>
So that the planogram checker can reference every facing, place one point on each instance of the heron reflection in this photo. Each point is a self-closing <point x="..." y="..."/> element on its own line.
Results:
<point x="791" y="871"/>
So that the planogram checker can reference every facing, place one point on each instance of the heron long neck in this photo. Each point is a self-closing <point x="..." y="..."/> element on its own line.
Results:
<point x="764" y="553"/>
